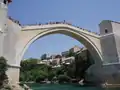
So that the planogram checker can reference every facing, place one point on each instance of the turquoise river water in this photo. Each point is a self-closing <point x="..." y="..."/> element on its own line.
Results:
<point x="65" y="87"/>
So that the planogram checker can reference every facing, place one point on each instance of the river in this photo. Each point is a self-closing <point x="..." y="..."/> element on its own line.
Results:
<point x="64" y="87"/>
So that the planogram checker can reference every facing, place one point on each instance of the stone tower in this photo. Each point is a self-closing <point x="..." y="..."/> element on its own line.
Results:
<point x="3" y="22"/>
<point x="110" y="41"/>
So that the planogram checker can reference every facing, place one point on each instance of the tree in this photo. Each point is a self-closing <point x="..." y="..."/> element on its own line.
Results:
<point x="59" y="71"/>
<point x="3" y="69"/>
<point x="51" y="75"/>
<point x="30" y="70"/>
<point x="39" y="79"/>
<point x="28" y="64"/>
<point x="70" y="54"/>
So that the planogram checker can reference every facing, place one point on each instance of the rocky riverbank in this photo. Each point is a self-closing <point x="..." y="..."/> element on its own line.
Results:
<point x="12" y="87"/>
<point x="16" y="86"/>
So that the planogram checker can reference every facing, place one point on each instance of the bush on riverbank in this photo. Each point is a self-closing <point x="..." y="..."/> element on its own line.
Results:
<point x="51" y="75"/>
<point x="40" y="79"/>
<point x="64" y="79"/>
<point x="3" y="69"/>
<point x="31" y="71"/>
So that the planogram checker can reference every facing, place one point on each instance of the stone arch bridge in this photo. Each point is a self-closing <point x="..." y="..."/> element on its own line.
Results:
<point x="29" y="34"/>
<point x="15" y="40"/>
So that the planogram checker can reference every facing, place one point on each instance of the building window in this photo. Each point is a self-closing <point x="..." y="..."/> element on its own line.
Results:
<point x="106" y="31"/>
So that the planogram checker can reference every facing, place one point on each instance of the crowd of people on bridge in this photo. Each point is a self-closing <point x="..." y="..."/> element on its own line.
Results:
<point x="62" y="22"/>
<point x="15" y="21"/>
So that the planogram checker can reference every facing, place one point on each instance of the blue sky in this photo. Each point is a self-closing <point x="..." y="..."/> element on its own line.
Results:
<point x="84" y="13"/>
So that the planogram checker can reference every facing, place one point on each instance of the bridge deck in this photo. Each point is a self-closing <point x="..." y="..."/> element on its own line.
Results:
<point x="59" y="25"/>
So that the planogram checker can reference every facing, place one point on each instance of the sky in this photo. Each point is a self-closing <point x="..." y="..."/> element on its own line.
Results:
<point x="84" y="13"/>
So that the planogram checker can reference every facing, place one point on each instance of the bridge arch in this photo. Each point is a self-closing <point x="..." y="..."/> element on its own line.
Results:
<point x="83" y="38"/>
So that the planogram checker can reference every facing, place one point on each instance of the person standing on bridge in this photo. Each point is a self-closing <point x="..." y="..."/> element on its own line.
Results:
<point x="7" y="1"/>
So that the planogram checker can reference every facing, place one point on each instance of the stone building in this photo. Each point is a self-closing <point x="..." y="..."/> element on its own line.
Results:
<point x="75" y="49"/>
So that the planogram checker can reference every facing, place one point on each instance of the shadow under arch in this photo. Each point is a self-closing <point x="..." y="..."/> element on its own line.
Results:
<point x="96" y="54"/>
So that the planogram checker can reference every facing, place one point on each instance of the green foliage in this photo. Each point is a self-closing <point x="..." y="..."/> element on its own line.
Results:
<point x="63" y="78"/>
<point x="31" y="71"/>
<point x="51" y="75"/>
<point x="3" y="65"/>
<point x="70" y="54"/>
<point x="28" y="64"/>
<point x="39" y="79"/>
<point x="3" y="69"/>
<point x="59" y="71"/>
